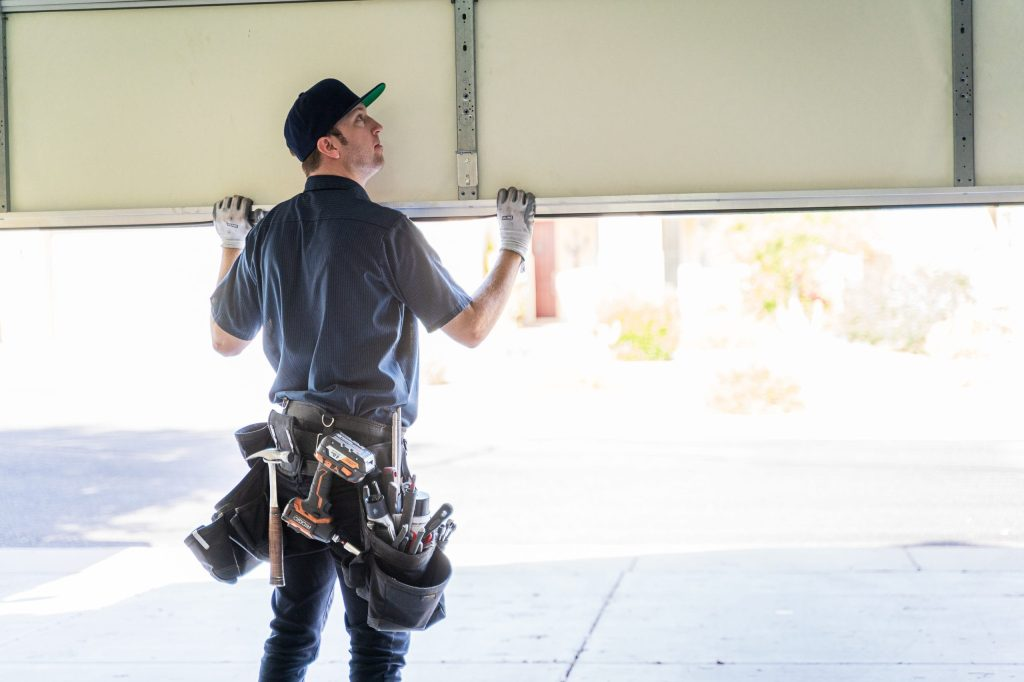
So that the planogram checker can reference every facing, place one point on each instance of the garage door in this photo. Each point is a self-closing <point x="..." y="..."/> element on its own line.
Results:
<point x="175" y="106"/>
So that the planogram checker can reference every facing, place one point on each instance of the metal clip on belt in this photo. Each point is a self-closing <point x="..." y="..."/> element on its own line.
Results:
<point x="313" y="418"/>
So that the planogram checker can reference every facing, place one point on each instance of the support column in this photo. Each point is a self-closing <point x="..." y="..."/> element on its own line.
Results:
<point x="545" y="268"/>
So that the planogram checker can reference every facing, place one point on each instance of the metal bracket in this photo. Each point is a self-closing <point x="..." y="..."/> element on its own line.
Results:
<point x="963" y="93"/>
<point x="465" y="99"/>
<point x="468" y="178"/>
<point x="5" y="183"/>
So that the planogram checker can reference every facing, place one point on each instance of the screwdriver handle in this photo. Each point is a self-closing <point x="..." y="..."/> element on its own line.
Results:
<point x="392" y="489"/>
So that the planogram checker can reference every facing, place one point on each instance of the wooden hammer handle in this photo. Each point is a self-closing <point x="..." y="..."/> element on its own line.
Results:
<point x="275" y="541"/>
<point x="276" y="548"/>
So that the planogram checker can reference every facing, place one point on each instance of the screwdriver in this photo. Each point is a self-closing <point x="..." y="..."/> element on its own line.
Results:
<point x="449" y="528"/>
<point x="443" y="513"/>
<point x="392" y="490"/>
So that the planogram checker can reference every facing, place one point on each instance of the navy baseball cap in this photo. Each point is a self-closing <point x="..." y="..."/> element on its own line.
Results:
<point x="316" y="110"/>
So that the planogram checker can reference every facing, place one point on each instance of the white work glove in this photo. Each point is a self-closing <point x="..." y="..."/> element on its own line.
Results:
<point x="233" y="217"/>
<point x="516" y="209"/>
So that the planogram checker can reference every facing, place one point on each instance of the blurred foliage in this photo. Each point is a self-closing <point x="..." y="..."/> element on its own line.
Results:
<point x="646" y="330"/>
<point x="786" y="267"/>
<point x="898" y="310"/>
<point x="787" y="259"/>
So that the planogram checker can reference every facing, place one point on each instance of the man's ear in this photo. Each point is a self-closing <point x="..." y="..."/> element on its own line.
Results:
<point x="328" y="147"/>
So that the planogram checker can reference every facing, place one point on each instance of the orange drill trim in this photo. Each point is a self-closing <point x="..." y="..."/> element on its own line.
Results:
<point x="319" y="497"/>
<point x="300" y="510"/>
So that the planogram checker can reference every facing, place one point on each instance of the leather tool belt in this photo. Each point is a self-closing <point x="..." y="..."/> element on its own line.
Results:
<point x="301" y="424"/>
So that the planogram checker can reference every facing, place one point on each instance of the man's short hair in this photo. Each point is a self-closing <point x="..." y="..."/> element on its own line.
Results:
<point x="312" y="162"/>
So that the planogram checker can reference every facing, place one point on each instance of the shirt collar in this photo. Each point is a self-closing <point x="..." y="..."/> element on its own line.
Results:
<point x="318" y="182"/>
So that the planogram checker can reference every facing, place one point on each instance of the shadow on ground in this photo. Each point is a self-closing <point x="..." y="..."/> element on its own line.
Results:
<point x="61" y="483"/>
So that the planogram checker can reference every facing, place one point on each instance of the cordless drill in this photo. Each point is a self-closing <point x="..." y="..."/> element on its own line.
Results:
<point x="336" y="455"/>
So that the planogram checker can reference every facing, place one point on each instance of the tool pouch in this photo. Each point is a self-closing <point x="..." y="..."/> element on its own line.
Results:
<point x="252" y="439"/>
<point x="222" y="558"/>
<point x="282" y="429"/>
<point x="234" y="542"/>
<point x="218" y="550"/>
<point x="404" y="591"/>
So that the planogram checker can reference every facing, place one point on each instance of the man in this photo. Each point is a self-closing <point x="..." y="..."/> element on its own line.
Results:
<point x="338" y="285"/>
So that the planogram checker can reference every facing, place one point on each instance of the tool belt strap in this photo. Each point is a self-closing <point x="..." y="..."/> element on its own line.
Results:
<point x="312" y="418"/>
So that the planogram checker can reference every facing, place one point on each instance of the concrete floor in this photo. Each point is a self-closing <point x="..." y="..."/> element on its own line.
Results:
<point x="728" y="561"/>
<point x="902" y="613"/>
<point x="590" y="549"/>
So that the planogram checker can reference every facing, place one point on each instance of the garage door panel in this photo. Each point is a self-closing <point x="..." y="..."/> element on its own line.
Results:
<point x="170" y="107"/>
<point x="177" y="106"/>
<point x="999" y="97"/>
<point x="690" y="96"/>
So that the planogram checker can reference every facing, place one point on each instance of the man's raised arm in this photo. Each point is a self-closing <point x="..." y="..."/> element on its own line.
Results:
<point x="516" y="209"/>
<point x="231" y="217"/>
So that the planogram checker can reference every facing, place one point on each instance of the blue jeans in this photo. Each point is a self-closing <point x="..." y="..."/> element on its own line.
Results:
<point x="301" y="605"/>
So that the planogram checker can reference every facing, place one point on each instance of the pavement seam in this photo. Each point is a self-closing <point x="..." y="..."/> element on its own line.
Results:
<point x="803" y="664"/>
<point x="597" y="619"/>
<point x="910" y="556"/>
<point x="28" y="633"/>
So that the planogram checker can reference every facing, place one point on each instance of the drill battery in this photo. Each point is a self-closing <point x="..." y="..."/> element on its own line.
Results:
<point x="345" y="457"/>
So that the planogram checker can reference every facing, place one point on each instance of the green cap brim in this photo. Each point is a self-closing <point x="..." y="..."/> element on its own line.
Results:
<point x="372" y="95"/>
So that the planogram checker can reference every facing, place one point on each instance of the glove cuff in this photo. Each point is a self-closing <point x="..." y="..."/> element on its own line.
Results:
<point x="233" y="243"/>
<point x="522" y="251"/>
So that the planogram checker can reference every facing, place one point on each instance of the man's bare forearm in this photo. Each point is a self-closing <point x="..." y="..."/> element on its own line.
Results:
<point x="472" y="325"/>
<point x="228" y="257"/>
<point x="515" y="211"/>
<point x="492" y="296"/>
<point x="225" y="343"/>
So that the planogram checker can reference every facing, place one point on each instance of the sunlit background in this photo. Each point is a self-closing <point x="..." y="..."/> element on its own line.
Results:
<point x="856" y="324"/>
<point x="747" y="380"/>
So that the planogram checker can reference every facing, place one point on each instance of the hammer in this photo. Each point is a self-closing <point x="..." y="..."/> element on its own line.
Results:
<point x="274" y="540"/>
